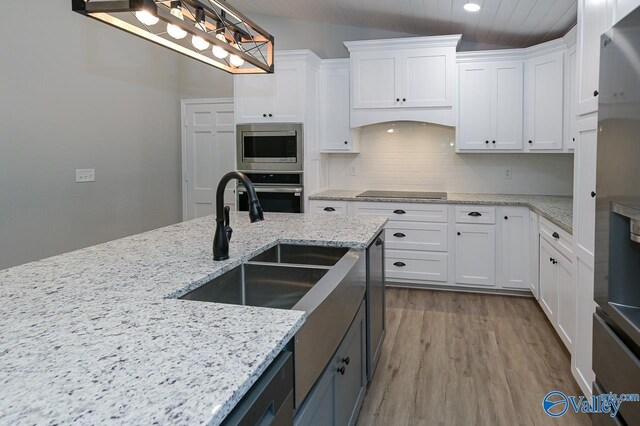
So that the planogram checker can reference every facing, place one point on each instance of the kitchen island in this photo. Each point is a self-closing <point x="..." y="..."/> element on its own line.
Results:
<point x="98" y="335"/>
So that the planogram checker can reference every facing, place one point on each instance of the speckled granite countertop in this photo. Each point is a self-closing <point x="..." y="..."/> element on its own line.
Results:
<point x="557" y="209"/>
<point x="96" y="336"/>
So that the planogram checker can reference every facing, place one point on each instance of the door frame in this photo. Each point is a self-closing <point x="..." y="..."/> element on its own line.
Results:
<point x="183" y="142"/>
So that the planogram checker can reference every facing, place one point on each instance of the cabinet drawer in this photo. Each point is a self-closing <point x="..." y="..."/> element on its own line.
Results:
<point x="475" y="214"/>
<point x="559" y="239"/>
<point x="416" y="236"/>
<point x="328" y="207"/>
<point x="412" y="212"/>
<point x="416" y="265"/>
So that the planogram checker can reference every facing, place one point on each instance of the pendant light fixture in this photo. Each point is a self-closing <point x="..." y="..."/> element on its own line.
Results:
<point x="210" y="31"/>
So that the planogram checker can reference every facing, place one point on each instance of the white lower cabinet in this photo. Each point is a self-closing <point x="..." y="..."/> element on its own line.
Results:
<point x="534" y="255"/>
<point x="475" y="254"/>
<point x="416" y="265"/>
<point x="329" y="207"/>
<point x="514" y="251"/>
<point x="416" y="236"/>
<point x="548" y="281"/>
<point x="585" y="307"/>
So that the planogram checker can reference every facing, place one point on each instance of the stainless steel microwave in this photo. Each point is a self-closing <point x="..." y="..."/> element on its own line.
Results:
<point x="269" y="147"/>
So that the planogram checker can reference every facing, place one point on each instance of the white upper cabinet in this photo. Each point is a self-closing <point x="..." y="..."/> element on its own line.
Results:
<point x="336" y="134"/>
<point x="491" y="105"/>
<point x="403" y="79"/>
<point x="584" y="189"/>
<point x="571" y="103"/>
<point x="271" y="98"/>
<point x="545" y="101"/>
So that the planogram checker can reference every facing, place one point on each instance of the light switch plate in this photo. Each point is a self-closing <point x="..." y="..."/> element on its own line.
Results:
<point x="85" y="175"/>
<point x="508" y="173"/>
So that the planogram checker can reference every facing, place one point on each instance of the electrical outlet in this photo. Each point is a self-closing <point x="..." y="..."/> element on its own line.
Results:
<point x="85" y="175"/>
<point x="508" y="173"/>
<point x="354" y="170"/>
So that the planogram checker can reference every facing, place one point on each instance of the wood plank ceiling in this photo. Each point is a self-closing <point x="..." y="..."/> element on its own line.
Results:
<point x="517" y="23"/>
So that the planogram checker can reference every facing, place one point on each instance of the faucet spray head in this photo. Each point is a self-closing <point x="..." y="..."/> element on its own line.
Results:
<point x="255" y="211"/>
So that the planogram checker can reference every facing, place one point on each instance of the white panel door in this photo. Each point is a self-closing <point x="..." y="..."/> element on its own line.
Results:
<point x="571" y="104"/>
<point x="623" y="7"/>
<point x="508" y="105"/>
<point x="545" y="101"/>
<point x="209" y="153"/>
<point x="566" y="302"/>
<point x="548" y="281"/>
<point x="475" y="254"/>
<point x="375" y="79"/>
<point x="254" y="97"/>
<point x="534" y="254"/>
<point x="515" y="247"/>
<point x="289" y="93"/>
<point x="475" y="125"/>
<point x="335" y="128"/>
<point x="582" y="348"/>
<point x="592" y="17"/>
<point x="427" y="77"/>
<point x="584" y="188"/>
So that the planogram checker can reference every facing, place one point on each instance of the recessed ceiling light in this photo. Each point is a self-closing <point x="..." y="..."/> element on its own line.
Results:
<point x="391" y="130"/>
<point x="471" y="7"/>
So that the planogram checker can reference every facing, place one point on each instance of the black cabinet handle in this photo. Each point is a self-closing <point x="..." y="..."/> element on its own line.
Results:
<point x="399" y="212"/>
<point x="346" y="360"/>
<point x="556" y="235"/>
<point x="551" y="259"/>
<point x="346" y="142"/>
<point x="397" y="99"/>
<point x="399" y="264"/>
<point x="404" y="99"/>
<point x="554" y="261"/>
<point x="341" y="370"/>
<point x="493" y="141"/>
<point x="475" y="214"/>
<point x="595" y="93"/>
<point x="399" y="235"/>
<point x="270" y="115"/>
<point x="329" y="209"/>
<point x="458" y="233"/>
<point x="487" y="142"/>
<point x="593" y="194"/>
<point x="379" y="242"/>
<point x="264" y="115"/>
<point x="506" y="218"/>
<point x="530" y="141"/>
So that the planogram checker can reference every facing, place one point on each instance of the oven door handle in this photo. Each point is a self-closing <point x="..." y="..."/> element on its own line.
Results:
<point x="271" y="189"/>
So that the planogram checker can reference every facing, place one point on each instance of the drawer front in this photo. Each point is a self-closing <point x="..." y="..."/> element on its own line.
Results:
<point x="416" y="236"/>
<point x="328" y="207"/>
<point x="475" y="214"/>
<point x="416" y="265"/>
<point x="412" y="212"/>
<point x="559" y="239"/>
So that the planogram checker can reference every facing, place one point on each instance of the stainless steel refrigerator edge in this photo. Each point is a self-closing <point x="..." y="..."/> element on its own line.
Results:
<point x="616" y="325"/>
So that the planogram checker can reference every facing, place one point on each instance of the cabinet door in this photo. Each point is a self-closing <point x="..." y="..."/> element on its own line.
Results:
<point x="335" y="129"/>
<point x="328" y="207"/>
<point x="351" y="380"/>
<point x="289" y="92"/>
<point x="582" y="346"/>
<point x="571" y="104"/>
<point x="427" y="77"/>
<point x="545" y="101"/>
<point x="515" y="247"/>
<point x="534" y="254"/>
<point x="475" y="125"/>
<point x="566" y="302"/>
<point x="375" y="78"/>
<point x="254" y="97"/>
<point x="592" y="17"/>
<point x="584" y="185"/>
<point x="475" y="252"/>
<point x="508" y="105"/>
<point x="548" y="280"/>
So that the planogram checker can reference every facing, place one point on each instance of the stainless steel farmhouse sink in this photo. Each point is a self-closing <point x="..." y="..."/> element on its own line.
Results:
<point x="271" y="286"/>
<point x="328" y="283"/>
<point x="302" y="255"/>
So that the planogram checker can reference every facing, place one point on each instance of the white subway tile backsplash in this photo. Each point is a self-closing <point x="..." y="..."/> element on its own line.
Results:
<point x="420" y="156"/>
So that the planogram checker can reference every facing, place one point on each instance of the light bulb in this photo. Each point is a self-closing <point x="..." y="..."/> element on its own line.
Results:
<point x="174" y="30"/>
<point x="236" y="61"/>
<point x="471" y="7"/>
<point x="199" y="43"/>
<point x="146" y="18"/>
<point x="218" y="51"/>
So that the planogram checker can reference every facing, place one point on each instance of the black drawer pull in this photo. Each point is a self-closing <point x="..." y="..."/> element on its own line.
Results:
<point x="341" y="370"/>
<point x="399" y="235"/>
<point x="329" y="209"/>
<point x="346" y="360"/>
<point x="458" y="233"/>
<point x="399" y="264"/>
<point x="379" y="242"/>
<point x="593" y="194"/>
<point x="506" y="218"/>
<point x="475" y="214"/>
<point x="556" y="235"/>
<point x="399" y="212"/>
<point x="554" y="261"/>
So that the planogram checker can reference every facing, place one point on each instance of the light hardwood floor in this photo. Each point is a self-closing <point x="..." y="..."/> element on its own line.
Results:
<point x="467" y="359"/>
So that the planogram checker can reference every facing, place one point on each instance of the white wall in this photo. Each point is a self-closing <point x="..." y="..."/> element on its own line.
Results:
<point x="76" y="93"/>
<point x="420" y="157"/>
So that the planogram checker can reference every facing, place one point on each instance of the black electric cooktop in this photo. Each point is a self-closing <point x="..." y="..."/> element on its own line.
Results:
<point x="404" y="194"/>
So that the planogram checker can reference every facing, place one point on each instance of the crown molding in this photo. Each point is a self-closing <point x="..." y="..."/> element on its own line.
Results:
<point x="403" y="42"/>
